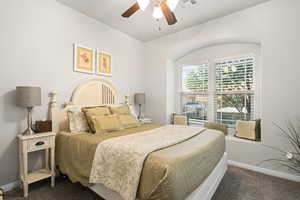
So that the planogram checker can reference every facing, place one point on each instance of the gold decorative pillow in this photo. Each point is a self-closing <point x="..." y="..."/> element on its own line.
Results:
<point x="217" y="126"/>
<point x="94" y="111"/>
<point x="180" y="119"/>
<point x="120" y="110"/>
<point x="246" y="129"/>
<point x="106" y="123"/>
<point x="129" y="121"/>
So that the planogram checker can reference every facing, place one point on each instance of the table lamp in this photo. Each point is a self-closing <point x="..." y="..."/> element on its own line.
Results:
<point x="140" y="99"/>
<point x="28" y="97"/>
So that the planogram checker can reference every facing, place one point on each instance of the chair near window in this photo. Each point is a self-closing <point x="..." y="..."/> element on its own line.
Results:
<point x="250" y="130"/>
<point x="179" y="119"/>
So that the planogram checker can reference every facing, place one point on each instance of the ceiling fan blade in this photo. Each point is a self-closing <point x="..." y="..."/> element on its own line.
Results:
<point x="131" y="10"/>
<point x="169" y="15"/>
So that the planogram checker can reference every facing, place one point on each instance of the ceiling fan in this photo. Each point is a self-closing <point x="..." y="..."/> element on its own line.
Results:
<point x="160" y="8"/>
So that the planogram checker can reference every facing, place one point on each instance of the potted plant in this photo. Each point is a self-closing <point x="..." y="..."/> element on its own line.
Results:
<point x="289" y="159"/>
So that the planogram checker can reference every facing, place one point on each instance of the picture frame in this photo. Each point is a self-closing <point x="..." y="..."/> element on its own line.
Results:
<point x="84" y="59"/>
<point x="103" y="63"/>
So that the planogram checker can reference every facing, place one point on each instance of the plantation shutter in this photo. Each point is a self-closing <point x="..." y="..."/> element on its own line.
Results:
<point x="195" y="78"/>
<point x="194" y="94"/>
<point x="235" y="75"/>
<point x="234" y="89"/>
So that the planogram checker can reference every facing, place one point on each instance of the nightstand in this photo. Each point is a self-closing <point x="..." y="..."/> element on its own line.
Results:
<point x="31" y="143"/>
<point x="145" y="120"/>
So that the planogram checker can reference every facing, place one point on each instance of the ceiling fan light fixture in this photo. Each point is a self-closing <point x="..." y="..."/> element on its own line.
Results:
<point x="172" y="4"/>
<point x="143" y="4"/>
<point x="157" y="12"/>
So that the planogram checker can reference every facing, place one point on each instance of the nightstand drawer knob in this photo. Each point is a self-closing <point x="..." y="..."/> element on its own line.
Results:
<point x="39" y="143"/>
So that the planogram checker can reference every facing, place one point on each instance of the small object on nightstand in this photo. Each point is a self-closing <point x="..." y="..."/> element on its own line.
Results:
<point x="31" y="143"/>
<point x="145" y="120"/>
<point x="43" y="126"/>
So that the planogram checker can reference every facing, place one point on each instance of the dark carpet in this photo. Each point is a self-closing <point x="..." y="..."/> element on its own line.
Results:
<point x="238" y="184"/>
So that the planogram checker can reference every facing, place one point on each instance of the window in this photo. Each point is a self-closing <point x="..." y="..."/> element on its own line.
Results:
<point x="194" y="96"/>
<point x="234" y="90"/>
<point x="230" y="93"/>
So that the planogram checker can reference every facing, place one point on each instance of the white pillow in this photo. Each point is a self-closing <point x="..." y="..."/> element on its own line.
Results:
<point x="132" y="110"/>
<point x="77" y="120"/>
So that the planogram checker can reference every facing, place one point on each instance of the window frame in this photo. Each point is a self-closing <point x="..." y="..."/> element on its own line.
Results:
<point x="243" y="92"/>
<point x="212" y="92"/>
<point x="182" y="93"/>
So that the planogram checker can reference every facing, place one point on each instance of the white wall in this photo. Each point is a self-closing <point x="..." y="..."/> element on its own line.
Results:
<point x="36" y="39"/>
<point x="274" y="25"/>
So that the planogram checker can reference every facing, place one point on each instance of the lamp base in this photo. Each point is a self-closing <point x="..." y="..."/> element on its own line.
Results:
<point x="28" y="131"/>
<point x="140" y="116"/>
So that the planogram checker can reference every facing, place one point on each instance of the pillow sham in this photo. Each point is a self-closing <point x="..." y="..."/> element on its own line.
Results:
<point x="77" y="120"/>
<point x="106" y="123"/>
<point x="129" y="121"/>
<point x="127" y="109"/>
<point x="120" y="110"/>
<point x="94" y="111"/>
<point x="246" y="129"/>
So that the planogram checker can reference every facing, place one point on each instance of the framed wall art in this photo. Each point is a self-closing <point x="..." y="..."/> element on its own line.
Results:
<point x="103" y="63"/>
<point x="84" y="59"/>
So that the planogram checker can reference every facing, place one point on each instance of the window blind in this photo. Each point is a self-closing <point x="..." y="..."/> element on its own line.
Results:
<point x="235" y="75"/>
<point x="195" y="78"/>
<point x="194" y="97"/>
<point x="234" y="99"/>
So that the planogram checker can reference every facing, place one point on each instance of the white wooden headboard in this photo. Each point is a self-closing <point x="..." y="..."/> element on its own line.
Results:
<point x="90" y="93"/>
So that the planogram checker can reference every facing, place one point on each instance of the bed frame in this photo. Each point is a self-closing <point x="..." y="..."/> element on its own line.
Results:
<point x="97" y="92"/>
<point x="94" y="92"/>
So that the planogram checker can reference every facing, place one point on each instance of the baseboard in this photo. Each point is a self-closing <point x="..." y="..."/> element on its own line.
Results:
<point x="10" y="186"/>
<point x="270" y="172"/>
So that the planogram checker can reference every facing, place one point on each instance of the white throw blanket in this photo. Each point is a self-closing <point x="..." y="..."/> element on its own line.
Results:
<point x="118" y="162"/>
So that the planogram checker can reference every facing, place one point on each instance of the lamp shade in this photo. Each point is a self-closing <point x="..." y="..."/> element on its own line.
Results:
<point x="28" y="96"/>
<point x="139" y="98"/>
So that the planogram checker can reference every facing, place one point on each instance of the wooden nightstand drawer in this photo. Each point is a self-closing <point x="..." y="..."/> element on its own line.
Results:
<point x="38" y="144"/>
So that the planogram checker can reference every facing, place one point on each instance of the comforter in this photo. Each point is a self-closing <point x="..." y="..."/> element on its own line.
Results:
<point x="170" y="173"/>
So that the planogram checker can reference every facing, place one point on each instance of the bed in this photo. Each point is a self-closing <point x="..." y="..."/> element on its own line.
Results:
<point x="191" y="169"/>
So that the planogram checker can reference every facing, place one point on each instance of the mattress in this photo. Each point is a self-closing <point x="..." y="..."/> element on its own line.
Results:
<point x="170" y="173"/>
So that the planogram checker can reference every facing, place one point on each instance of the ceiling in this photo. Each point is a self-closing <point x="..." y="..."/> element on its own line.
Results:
<point x="144" y="27"/>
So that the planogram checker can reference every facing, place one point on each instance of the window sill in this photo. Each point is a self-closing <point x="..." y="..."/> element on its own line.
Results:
<point x="197" y="123"/>
<point x="235" y="139"/>
<point x="230" y="136"/>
